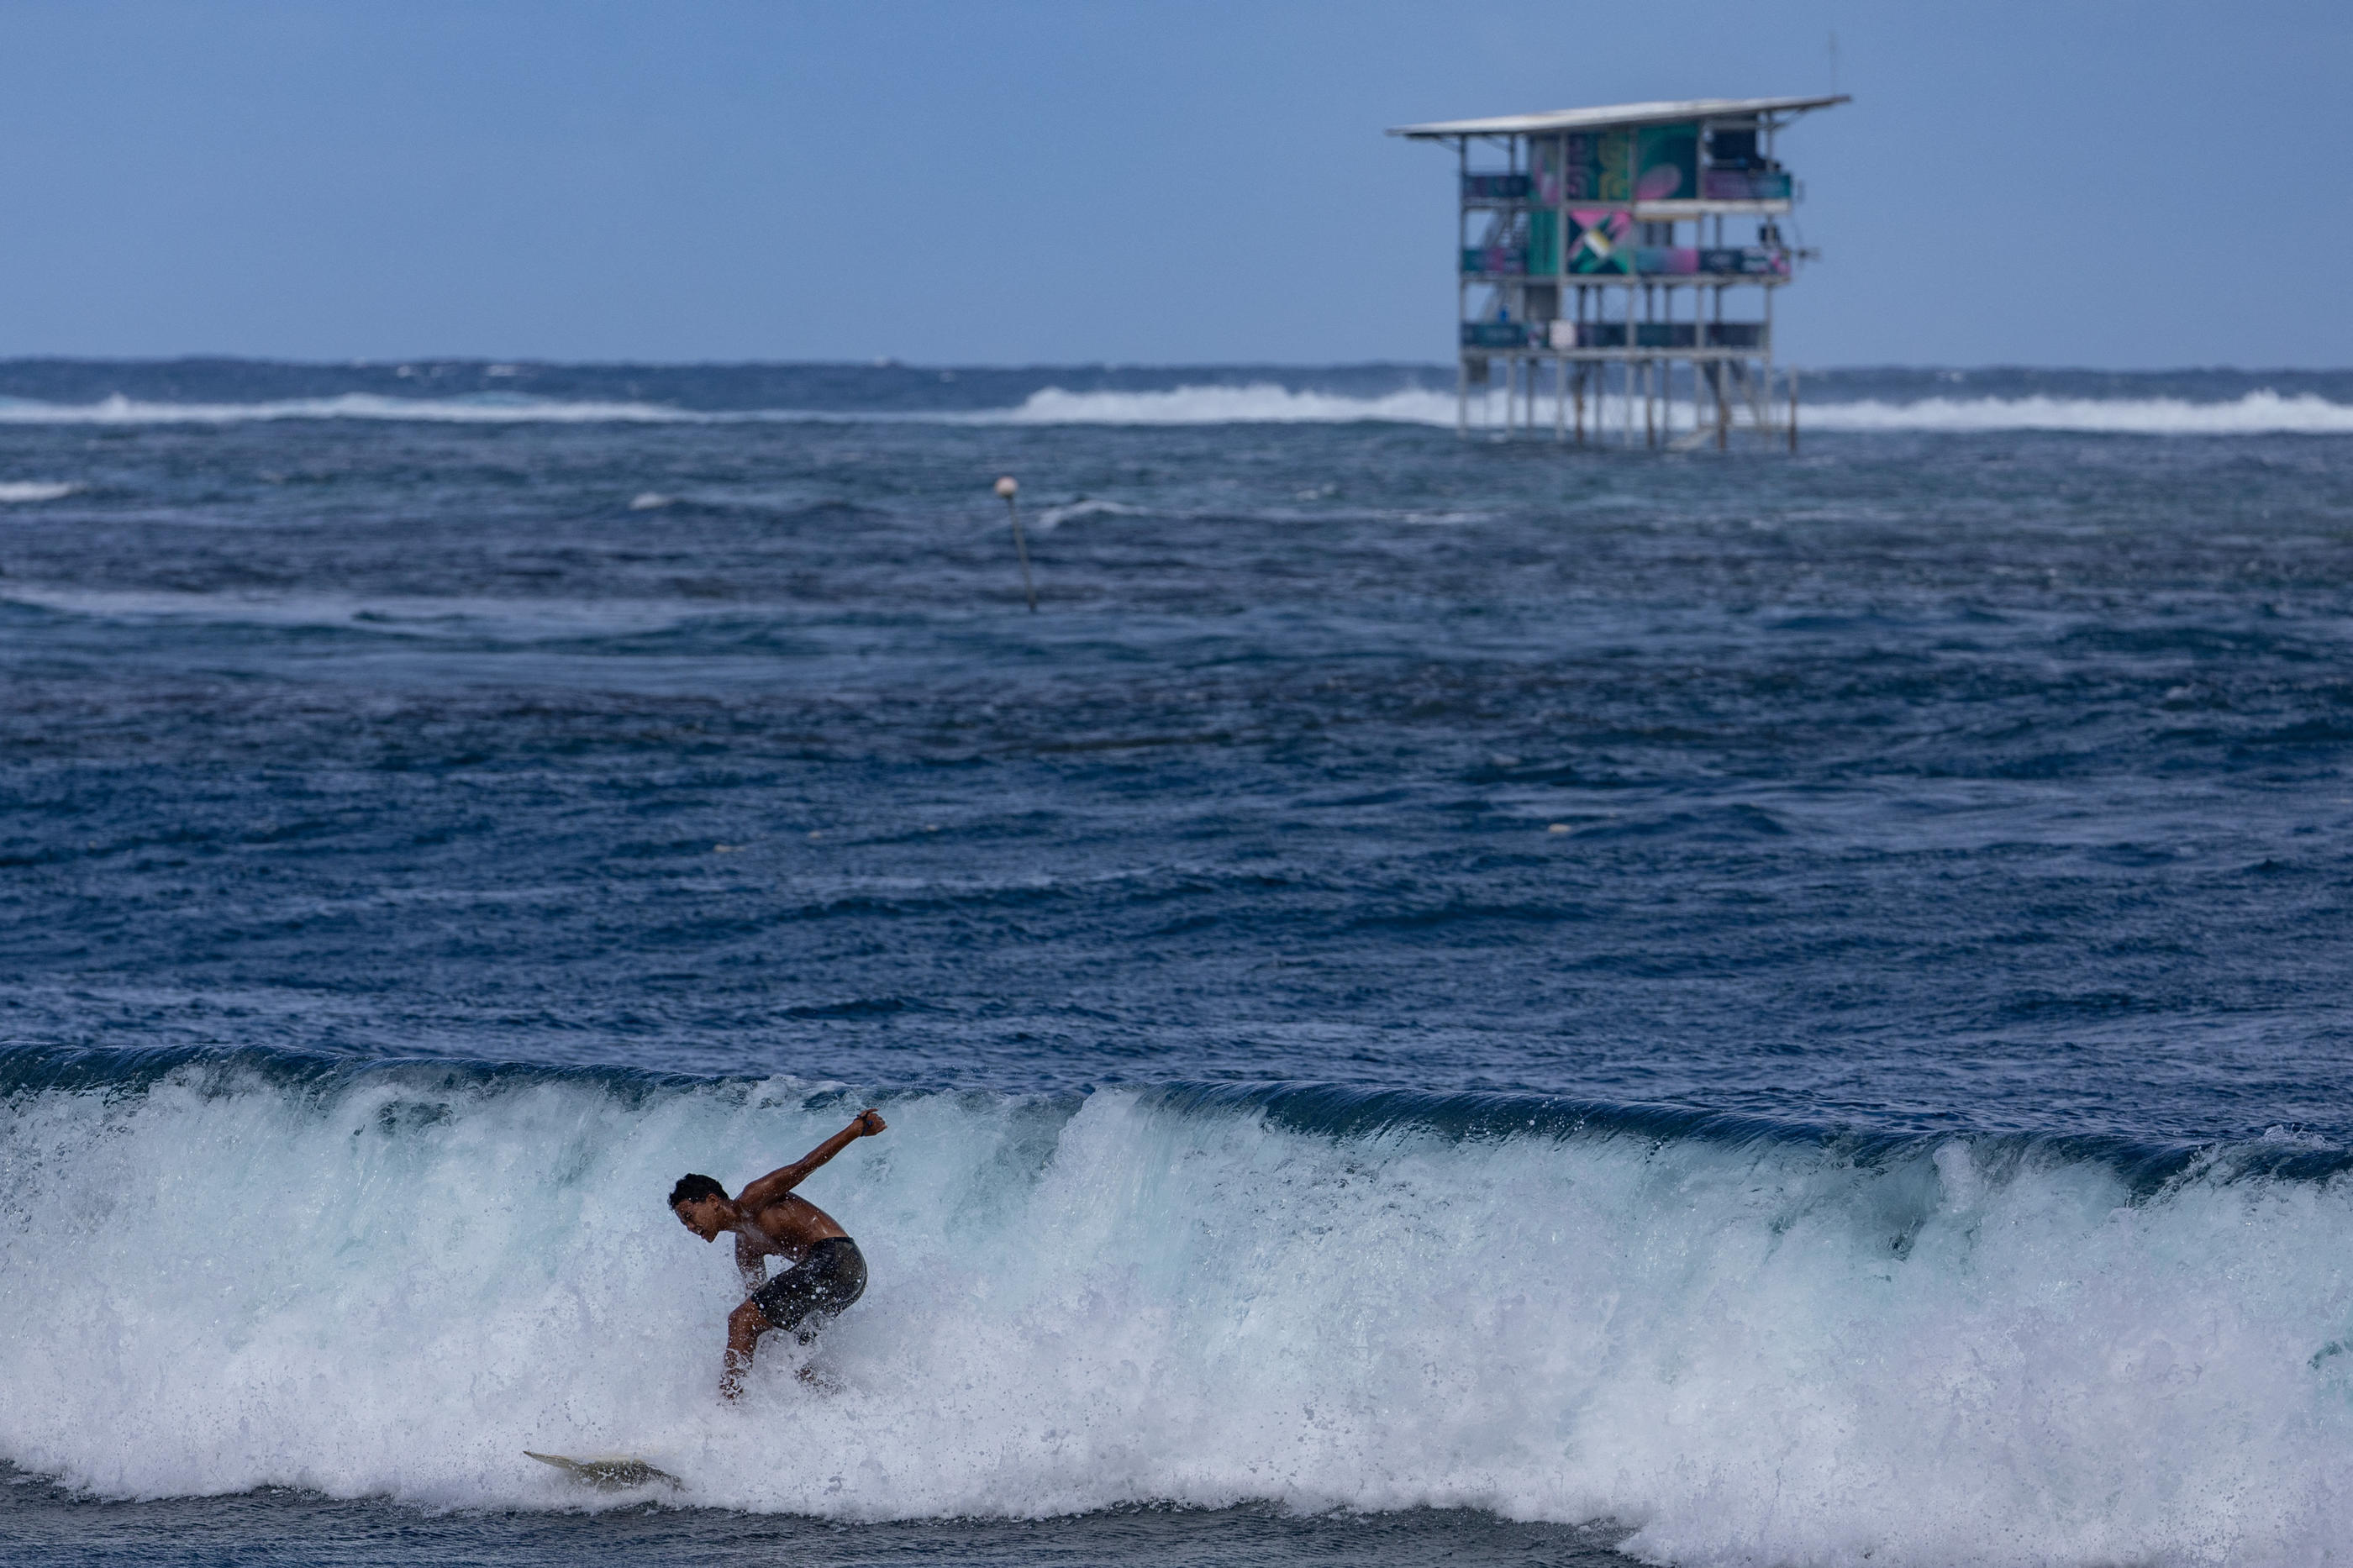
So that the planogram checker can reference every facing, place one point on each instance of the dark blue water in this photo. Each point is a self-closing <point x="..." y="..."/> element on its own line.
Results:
<point x="1929" y="785"/>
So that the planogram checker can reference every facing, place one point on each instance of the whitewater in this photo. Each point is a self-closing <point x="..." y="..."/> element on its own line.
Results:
<point x="2259" y="412"/>
<point x="1742" y="1346"/>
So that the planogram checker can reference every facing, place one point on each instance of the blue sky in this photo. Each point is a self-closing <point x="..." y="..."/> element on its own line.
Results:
<point x="2154" y="184"/>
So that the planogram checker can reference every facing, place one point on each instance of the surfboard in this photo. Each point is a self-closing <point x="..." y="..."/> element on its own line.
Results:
<point x="608" y="1472"/>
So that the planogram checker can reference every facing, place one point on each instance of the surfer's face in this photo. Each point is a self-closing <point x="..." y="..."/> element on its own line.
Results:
<point x="700" y="1216"/>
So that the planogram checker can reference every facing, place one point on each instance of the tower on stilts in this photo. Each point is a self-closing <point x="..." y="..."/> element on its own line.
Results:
<point x="1633" y="251"/>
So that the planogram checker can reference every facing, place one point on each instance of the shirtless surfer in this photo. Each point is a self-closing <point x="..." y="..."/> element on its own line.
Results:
<point x="827" y="1273"/>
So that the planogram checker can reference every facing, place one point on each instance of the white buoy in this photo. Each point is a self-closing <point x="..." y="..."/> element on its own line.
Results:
<point x="1009" y="488"/>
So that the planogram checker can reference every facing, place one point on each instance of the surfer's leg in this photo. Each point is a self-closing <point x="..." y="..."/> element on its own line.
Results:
<point x="799" y="1301"/>
<point x="833" y="1276"/>
<point x="746" y="1324"/>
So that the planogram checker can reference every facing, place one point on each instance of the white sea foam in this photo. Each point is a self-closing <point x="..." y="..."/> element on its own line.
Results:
<point x="1752" y="1355"/>
<point x="489" y="410"/>
<point x="1048" y="519"/>
<point x="1264" y="402"/>
<point x="2256" y="413"/>
<point x="17" y="492"/>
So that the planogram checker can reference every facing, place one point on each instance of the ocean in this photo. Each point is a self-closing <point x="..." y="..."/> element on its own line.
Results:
<point x="1438" y="1001"/>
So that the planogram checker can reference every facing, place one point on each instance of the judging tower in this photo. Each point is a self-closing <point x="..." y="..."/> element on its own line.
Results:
<point x="1573" y="253"/>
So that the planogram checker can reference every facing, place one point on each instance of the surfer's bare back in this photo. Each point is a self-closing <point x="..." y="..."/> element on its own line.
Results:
<point x="827" y="1273"/>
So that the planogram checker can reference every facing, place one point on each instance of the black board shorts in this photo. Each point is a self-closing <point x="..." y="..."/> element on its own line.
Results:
<point x="829" y="1278"/>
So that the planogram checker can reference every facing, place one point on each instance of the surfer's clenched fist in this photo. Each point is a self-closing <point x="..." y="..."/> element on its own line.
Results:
<point x="826" y="1271"/>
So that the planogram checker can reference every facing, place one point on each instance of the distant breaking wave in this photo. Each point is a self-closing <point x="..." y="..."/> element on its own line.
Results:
<point x="1266" y="404"/>
<point x="26" y="491"/>
<point x="2262" y="412"/>
<point x="355" y="406"/>
<point x="2255" y="414"/>
<point x="1263" y="404"/>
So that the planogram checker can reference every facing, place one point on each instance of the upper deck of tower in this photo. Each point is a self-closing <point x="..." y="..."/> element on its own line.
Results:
<point x="1662" y="160"/>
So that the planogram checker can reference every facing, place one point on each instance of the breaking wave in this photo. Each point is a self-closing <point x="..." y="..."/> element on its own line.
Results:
<point x="1260" y="403"/>
<point x="488" y="410"/>
<point x="26" y="492"/>
<point x="2255" y="414"/>
<point x="1752" y="1343"/>
<point x="1263" y="402"/>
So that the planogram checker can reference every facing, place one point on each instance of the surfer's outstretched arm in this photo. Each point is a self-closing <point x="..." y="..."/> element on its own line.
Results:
<point x="785" y="1178"/>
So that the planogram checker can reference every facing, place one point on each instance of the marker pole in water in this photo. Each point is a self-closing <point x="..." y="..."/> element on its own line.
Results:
<point x="1009" y="490"/>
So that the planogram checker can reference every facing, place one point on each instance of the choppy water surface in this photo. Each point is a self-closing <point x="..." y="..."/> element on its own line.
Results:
<point x="1815" y="991"/>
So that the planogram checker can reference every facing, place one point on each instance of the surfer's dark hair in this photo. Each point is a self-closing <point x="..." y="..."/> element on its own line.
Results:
<point x="691" y="1189"/>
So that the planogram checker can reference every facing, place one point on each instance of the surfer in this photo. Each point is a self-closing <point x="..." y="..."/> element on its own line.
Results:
<point x="826" y="1271"/>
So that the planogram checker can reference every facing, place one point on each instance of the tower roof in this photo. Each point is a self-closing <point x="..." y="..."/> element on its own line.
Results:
<point x="1607" y="115"/>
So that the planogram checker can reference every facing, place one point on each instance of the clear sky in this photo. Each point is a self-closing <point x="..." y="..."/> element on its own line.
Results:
<point x="1019" y="181"/>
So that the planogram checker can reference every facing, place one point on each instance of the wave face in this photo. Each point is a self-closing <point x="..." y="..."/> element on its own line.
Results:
<point x="223" y="1275"/>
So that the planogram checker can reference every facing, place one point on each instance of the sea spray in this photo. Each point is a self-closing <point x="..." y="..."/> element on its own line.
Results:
<point x="1753" y="1346"/>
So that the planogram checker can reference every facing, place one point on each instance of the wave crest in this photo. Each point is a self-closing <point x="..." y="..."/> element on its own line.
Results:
<point x="361" y="406"/>
<point x="1262" y="402"/>
<point x="391" y="1279"/>
<point x="24" y="491"/>
<point x="2255" y="414"/>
